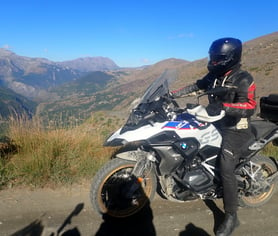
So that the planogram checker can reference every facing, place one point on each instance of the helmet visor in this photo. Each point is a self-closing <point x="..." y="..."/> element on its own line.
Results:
<point x="217" y="59"/>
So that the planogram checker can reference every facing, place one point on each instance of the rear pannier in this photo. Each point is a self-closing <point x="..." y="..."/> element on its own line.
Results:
<point x="269" y="107"/>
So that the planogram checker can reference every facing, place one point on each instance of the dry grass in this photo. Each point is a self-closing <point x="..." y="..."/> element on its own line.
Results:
<point x="51" y="157"/>
<point x="271" y="150"/>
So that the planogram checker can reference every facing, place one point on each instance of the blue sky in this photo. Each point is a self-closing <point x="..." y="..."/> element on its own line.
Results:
<point x="130" y="32"/>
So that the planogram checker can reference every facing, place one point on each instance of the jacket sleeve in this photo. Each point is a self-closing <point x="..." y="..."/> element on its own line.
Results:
<point x="243" y="102"/>
<point x="201" y="84"/>
<point x="185" y="90"/>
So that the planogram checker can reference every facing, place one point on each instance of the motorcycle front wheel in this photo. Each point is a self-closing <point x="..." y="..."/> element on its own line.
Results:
<point x="115" y="192"/>
<point x="259" y="198"/>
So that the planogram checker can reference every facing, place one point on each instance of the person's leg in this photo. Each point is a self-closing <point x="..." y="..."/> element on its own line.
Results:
<point x="230" y="195"/>
<point x="227" y="166"/>
<point x="232" y="143"/>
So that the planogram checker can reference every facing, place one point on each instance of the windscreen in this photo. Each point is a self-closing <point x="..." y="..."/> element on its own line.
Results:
<point x="159" y="87"/>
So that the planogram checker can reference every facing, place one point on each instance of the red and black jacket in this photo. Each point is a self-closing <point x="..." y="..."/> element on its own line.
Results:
<point x="238" y="103"/>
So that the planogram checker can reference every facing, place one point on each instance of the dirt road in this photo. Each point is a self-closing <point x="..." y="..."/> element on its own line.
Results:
<point x="68" y="212"/>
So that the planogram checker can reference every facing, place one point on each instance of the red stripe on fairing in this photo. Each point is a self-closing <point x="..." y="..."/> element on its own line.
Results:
<point x="251" y="104"/>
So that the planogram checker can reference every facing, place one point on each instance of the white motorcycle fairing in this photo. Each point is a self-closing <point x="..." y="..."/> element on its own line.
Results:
<point x="185" y="126"/>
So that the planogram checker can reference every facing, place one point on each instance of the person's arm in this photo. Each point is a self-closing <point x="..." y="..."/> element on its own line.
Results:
<point x="244" y="103"/>
<point x="201" y="84"/>
<point x="185" y="90"/>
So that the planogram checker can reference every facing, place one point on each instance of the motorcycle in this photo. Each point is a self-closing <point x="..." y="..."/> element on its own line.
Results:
<point x="174" y="152"/>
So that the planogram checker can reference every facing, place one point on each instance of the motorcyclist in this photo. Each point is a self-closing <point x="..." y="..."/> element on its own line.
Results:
<point x="239" y="105"/>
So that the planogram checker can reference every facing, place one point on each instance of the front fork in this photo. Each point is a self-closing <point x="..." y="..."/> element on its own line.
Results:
<point x="143" y="164"/>
<point x="142" y="167"/>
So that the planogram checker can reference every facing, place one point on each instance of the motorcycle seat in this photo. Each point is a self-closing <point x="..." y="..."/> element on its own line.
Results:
<point x="261" y="128"/>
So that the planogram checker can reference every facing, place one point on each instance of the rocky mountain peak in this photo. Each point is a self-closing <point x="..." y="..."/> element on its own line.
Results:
<point x="87" y="64"/>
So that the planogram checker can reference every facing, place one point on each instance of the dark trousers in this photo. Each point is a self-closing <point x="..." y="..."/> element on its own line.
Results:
<point x="232" y="143"/>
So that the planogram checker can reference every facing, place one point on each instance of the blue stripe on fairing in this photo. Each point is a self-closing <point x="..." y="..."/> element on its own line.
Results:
<point x="178" y="125"/>
<point x="184" y="121"/>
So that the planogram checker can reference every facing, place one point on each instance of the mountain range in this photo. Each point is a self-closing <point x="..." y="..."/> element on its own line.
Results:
<point x="31" y="76"/>
<point x="74" y="89"/>
<point x="88" y="64"/>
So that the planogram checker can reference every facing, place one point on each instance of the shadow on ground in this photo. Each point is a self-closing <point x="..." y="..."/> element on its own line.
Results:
<point x="191" y="229"/>
<point x="37" y="227"/>
<point x="140" y="223"/>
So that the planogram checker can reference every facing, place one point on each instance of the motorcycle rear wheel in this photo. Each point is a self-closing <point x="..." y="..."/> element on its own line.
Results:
<point x="268" y="168"/>
<point x="111" y="183"/>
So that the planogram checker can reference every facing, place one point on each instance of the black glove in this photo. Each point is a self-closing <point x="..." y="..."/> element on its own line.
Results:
<point x="214" y="109"/>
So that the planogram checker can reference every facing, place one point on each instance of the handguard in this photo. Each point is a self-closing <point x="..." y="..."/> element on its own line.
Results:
<point x="201" y="114"/>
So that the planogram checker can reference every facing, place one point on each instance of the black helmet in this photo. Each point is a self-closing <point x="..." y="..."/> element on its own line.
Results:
<point x="224" y="53"/>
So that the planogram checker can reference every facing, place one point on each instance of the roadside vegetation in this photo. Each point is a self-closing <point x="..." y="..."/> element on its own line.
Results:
<point x="36" y="156"/>
<point x="271" y="150"/>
